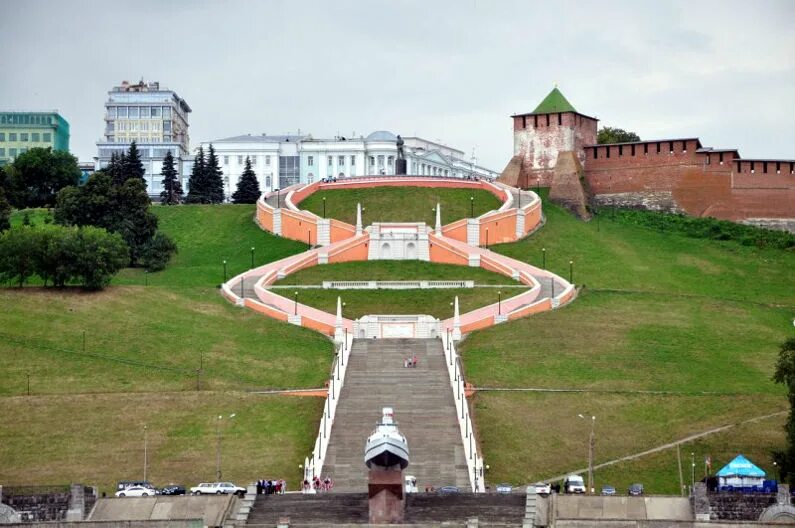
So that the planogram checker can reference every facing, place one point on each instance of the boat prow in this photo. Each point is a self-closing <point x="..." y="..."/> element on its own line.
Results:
<point x="386" y="447"/>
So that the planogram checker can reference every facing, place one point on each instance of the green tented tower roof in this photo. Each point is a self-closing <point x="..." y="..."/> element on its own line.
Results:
<point x="555" y="102"/>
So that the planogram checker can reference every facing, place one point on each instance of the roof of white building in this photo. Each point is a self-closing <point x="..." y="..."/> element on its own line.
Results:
<point x="258" y="138"/>
<point x="381" y="135"/>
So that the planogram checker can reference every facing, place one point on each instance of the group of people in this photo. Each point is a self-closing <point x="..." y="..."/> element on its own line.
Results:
<point x="271" y="487"/>
<point x="319" y="485"/>
<point x="410" y="362"/>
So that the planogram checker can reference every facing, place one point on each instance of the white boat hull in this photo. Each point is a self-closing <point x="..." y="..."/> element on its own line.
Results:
<point x="386" y="451"/>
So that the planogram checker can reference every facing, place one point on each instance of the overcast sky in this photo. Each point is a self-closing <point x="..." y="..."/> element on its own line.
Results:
<point x="454" y="71"/>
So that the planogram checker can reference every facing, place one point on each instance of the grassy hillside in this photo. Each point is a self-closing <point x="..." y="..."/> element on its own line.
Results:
<point x="658" y="312"/>
<point x="144" y="339"/>
<point x="401" y="204"/>
<point x="434" y="302"/>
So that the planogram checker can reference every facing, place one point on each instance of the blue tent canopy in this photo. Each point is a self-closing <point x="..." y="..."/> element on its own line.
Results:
<point x="740" y="467"/>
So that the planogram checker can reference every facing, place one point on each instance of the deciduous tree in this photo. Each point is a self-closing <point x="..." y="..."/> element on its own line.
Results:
<point x="39" y="174"/>
<point x="615" y="135"/>
<point x="785" y="374"/>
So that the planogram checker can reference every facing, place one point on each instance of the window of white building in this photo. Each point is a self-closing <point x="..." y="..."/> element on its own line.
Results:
<point x="390" y="160"/>
<point x="226" y="160"/>
<point x="353" y="161"/>
<point x="134" y="112"/>
<point x="380" y="161"/>
<point x="145" y="112"/>
<point x="254" y="159"/>
<point x="341" y="161"/>
<point x="330" y="161"/>
<point x="310" y="160"/>
<point x="240" y="160"/>
<point x="268" y="162"/>
<point x="372" y="161"/>
<point x="122" y="110"/>
<point x="267" y="181"/>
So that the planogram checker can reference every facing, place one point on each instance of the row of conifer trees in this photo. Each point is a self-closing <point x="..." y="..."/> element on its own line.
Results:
<point x="206" y="185"/>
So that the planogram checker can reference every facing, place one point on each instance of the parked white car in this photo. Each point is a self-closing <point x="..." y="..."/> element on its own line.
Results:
<point x="217" y="488"/>
<point x="542" y="488"/>
<point x="136" y="491"/>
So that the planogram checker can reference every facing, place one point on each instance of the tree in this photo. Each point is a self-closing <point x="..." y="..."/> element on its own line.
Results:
<point x="5" y="211"/>
<point x="615" y="135"/>
<point x="17" y="262"/>
<point x="122" y="209"/>
<point x="197" y="183"/>
<point x="214" y="178"/>
<point x="96" y="256"/>
<point x="39" y="174"/>
<point x="247" y="186"/>
<point x="785" y="374"/>
<point x="132" y="165"/>
<point x="172" y="188"/>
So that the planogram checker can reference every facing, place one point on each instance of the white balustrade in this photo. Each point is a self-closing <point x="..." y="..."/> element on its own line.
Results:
<point x="474" y="460"/>
<point x="314" y="464"/>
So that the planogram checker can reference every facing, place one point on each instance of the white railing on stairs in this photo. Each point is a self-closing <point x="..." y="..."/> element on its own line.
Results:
<point x="474" y="460"/>
<point x="313" y="465"/>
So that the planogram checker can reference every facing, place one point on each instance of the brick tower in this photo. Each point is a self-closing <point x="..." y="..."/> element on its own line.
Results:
<point x="539" y="136"/>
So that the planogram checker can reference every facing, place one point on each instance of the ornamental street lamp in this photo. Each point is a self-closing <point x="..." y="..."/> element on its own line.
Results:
<point x="252" y="256"/>
<point x="218" y="445"/>
<point x="224" y="272"/>
<point x="571" y="272"/>
<point x="145" y="450"/>
<point x="499" y="302"/>
<point x="324" y="207"/>
<point x="590" y="452"/>
<point x="296" y="304"/>
<point x="472" y="206"/>
<point x="543" y="258"/>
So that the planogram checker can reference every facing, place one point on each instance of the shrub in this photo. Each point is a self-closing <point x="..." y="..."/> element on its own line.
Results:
<point x="710" y="228"/>
<point x="158" y="252"/>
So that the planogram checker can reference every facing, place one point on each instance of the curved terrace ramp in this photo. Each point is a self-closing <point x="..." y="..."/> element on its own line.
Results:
<point x="424" y="409"/>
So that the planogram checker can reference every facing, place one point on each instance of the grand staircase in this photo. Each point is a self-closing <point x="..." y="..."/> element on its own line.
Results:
<point x="424" y="409"/>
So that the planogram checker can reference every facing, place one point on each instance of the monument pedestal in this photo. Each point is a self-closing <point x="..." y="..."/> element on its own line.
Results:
<point x="386" y="498"/>
<point x="400" y="167"/>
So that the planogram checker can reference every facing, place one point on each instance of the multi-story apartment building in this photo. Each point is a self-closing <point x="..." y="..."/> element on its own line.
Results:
<point x="20" y="131"/>
<point x="280" y="161"/>
<point x="156" y="119"/>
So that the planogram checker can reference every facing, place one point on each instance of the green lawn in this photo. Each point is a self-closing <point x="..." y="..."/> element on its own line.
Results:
<point x="522" y="445"/>
<point x="98" y="439"/>
<point x="401" y="204"/>
<point x="35" y="216"/>
<point x="658" y="312"/>
<point x="145" y="336"/>
<point x="434" y="302"/>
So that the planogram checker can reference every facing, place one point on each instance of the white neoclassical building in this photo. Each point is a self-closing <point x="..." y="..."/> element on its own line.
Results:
<point x="280" y="161"/>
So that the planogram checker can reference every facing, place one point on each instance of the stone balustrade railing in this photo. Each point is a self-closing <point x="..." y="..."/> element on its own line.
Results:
<point x="397" y="285"/>
<point x="474" y="459"/>
<point x="313" y="465"/>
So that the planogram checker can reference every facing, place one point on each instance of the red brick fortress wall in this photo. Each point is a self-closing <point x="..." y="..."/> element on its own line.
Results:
<point x="674" y="176"/>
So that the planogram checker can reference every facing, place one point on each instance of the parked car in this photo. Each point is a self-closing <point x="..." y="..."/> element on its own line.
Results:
<point x="217" y="488"/>
<point x="636" y="490"/>
<point x="608" y="490"/>
<point x="448" y="490"/>
<point x="124" y="484"/>
<point x="172" y="489"/>
<point x="542" y="488"/>
<point x="574" y="484"/>
<point x="136" y="491"/>
<point x="504" y="488"/>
